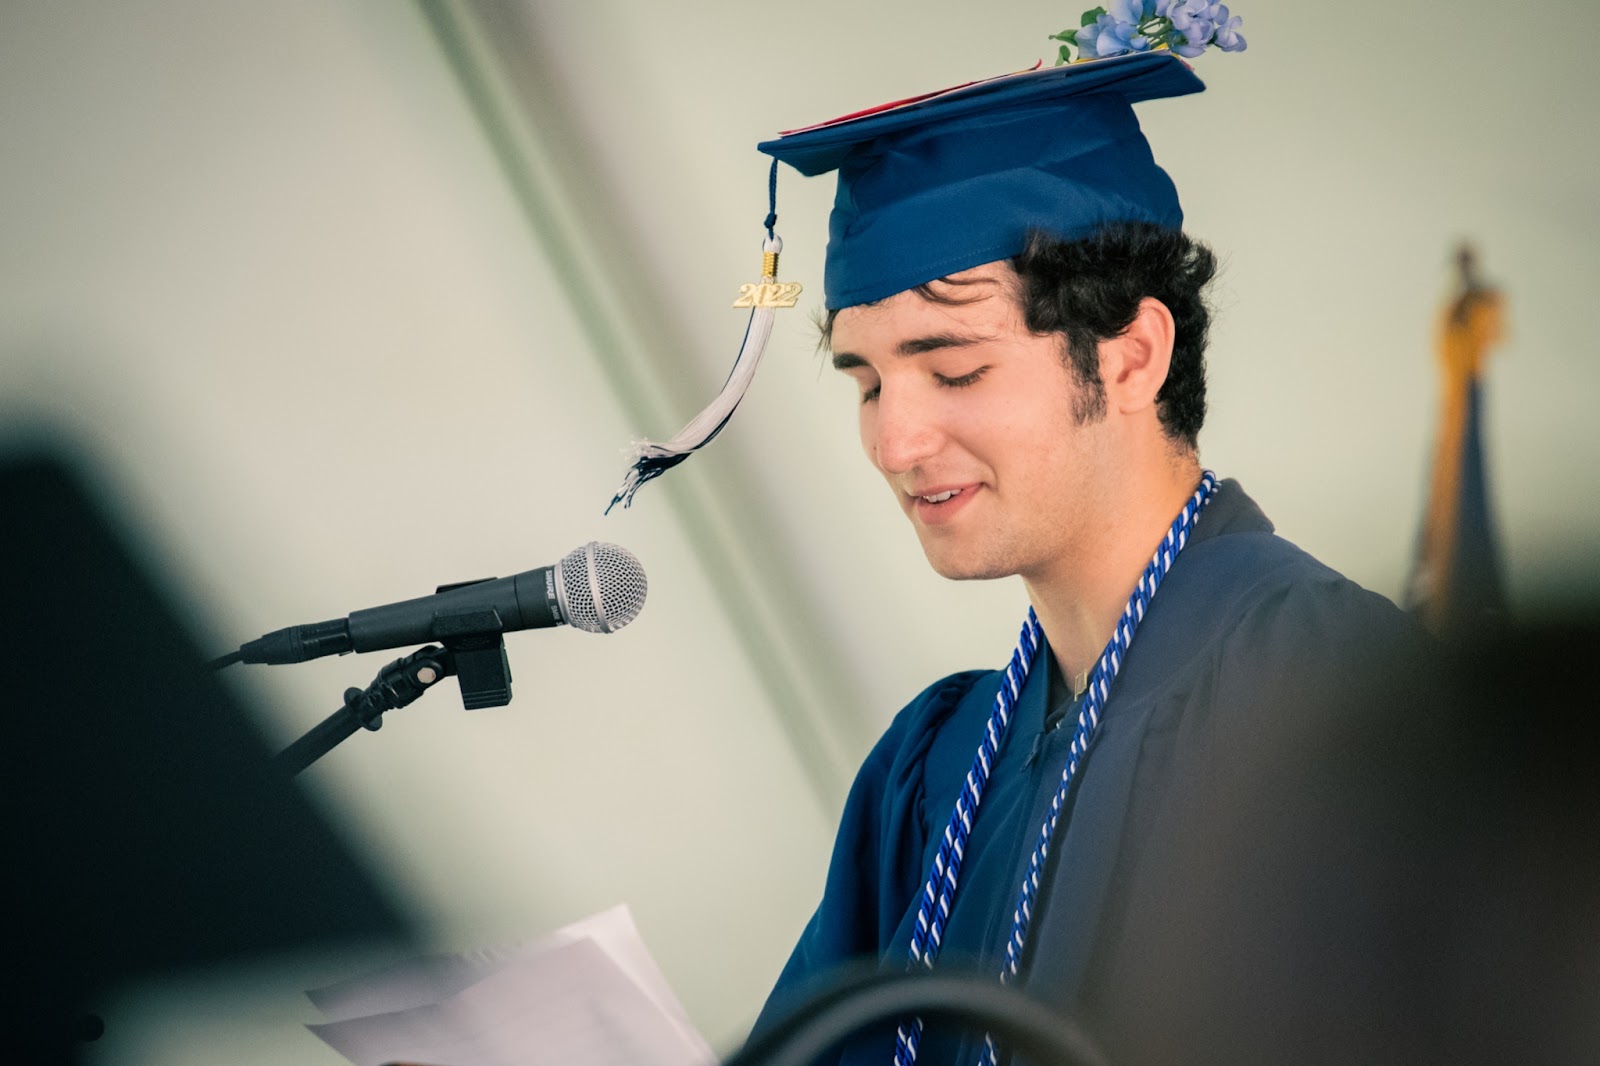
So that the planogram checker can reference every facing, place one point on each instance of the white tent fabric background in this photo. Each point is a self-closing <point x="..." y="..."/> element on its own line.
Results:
<point x="266" y="263"/>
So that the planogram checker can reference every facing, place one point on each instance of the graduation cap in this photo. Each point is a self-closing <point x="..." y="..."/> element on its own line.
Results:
<point x="943" y="182"/>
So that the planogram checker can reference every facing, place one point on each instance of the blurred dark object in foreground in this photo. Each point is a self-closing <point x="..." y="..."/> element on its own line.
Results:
<point x="1417" y="883"/>
<point x="864" y="999"/>
<point x="1405" y="882"/>
<point x="144" y="832"/>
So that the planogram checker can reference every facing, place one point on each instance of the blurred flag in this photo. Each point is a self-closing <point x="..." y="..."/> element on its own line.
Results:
<point x="1456" y="582"/>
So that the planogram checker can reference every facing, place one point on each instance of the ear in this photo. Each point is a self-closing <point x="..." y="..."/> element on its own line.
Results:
<point x="1134" y="363"/>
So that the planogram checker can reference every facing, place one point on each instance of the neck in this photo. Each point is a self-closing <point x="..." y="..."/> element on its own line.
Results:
<point x="1079" y="599"/>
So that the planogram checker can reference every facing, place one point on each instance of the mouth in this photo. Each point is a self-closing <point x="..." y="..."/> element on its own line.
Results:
<point x="940" y="505"/>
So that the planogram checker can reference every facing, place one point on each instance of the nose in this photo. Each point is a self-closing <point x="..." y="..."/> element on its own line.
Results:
<point x="903" y="433"/>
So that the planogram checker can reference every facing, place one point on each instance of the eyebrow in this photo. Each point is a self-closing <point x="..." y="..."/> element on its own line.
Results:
<point x="914" y="346"/>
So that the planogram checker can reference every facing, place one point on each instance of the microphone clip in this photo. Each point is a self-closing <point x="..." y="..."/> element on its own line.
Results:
<point x="477" y="646"/>
<point x="474" y="651"/>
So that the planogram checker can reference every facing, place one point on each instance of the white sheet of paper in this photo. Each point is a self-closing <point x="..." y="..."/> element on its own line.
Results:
<point x="589" y="993"/>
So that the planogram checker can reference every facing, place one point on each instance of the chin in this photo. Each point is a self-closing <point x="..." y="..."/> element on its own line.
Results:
<point x="964" y="566"/>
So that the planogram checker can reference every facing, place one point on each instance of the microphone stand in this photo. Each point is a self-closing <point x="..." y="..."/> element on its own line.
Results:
<point x="397" y="685"/>
<point x="474" y="650"/>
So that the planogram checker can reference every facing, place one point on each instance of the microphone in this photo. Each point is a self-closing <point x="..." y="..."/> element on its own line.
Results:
<point x="598" y="588"/>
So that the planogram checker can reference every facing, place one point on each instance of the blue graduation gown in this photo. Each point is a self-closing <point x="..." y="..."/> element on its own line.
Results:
<point x="1247" y="633"/>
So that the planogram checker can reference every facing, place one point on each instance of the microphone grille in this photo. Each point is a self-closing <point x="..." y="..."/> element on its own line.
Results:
<point x="603" y="587"/>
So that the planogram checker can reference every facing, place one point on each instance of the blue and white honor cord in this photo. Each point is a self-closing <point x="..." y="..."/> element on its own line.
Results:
<point x="938" y="894"/>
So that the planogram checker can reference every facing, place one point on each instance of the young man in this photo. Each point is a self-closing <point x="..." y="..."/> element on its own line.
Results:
<point x="1009" y="286"/>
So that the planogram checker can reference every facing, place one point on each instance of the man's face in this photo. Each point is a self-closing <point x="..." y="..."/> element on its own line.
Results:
<point x="970" y="419"/>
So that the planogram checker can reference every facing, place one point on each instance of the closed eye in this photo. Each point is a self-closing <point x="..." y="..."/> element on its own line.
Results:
<point x="963" y="381"/>
<point x="944" y="383"/>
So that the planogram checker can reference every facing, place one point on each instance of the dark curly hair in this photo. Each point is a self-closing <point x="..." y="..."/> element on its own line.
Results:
<point x="1089" y="289"/>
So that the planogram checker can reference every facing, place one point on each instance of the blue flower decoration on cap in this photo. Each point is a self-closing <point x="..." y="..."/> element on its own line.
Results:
<point x="939" y="184"/>
<point x="1185" y="26"/>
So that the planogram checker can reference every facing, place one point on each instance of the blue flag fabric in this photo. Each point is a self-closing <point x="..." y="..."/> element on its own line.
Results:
<point x="1457" y="584"/>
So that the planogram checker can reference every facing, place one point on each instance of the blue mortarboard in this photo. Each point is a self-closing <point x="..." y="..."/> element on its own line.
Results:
<point x="948" y="181"/>
<point x="942" y="183"/>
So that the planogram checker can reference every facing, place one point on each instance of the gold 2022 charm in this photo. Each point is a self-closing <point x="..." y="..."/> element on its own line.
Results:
<point x="768" y="294"/>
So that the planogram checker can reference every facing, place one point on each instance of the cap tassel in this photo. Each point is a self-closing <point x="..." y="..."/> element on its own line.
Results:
<point x="655" y="458"/>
